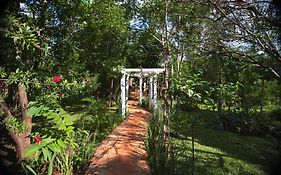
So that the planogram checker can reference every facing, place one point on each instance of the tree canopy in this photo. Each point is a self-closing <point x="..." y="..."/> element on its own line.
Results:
<point x="223" y="56"/>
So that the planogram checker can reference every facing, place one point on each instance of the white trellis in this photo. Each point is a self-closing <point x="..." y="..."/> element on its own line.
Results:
<point x="143" y="73"/>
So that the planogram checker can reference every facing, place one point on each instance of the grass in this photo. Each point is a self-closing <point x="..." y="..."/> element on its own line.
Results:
<point x="218" y="152"/>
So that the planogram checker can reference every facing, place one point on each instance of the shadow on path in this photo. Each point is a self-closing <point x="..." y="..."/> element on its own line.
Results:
<point x="123" y="152"/>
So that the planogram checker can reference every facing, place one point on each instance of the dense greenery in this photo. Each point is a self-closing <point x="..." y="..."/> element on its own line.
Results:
<point x="57" y="63"/>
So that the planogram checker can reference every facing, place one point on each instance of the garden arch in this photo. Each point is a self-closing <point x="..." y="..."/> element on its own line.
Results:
<point x="140" y="73"/>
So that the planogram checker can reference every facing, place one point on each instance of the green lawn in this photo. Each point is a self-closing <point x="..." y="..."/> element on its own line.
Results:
<point x="219" y="152"/>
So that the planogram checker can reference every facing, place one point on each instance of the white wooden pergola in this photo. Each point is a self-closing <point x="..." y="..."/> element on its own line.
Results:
<point x="140" y="73"/>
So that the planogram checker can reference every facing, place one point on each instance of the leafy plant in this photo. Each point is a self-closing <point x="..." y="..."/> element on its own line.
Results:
<point x="61" y="144"/>
<point x="97" y="118"/>
<point x="156" y="147"/>
<point x="190" y="88"/>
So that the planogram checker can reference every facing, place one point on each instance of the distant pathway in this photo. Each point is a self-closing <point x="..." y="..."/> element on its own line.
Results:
<point x="123" y="153"/>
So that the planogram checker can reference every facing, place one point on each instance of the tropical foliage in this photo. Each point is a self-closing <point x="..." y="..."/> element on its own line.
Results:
<point x="57" y="63"/>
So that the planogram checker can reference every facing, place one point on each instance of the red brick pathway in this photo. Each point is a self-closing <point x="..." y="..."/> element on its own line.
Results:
<point x="123" y="153"/>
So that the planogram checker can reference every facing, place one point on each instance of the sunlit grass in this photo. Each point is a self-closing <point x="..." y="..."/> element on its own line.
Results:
<point x="219" y="152"/>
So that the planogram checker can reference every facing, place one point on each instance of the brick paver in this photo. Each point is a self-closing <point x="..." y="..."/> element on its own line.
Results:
<point x="123" y="152"/>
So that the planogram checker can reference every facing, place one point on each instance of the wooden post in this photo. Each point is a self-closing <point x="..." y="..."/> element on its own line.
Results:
<point x="150" y="92"/>
<point x="123" y="95"/>
<point x="155" y="92"/>
<point x="127" y="91"/>
<point x="124" y="85"/>
<point x="140" y="86"/>
<point x="145" y="84"/>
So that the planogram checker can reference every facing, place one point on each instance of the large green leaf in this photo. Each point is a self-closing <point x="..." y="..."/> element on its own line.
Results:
<point x="34" y="111"/>
<point x="67" y="121"/>
<point x="32" y="149"/>
<point x="50" y="168"/>
<point x="30" y="169"/>
<point x="46" y="154"/>
<point x="55" y="147"/>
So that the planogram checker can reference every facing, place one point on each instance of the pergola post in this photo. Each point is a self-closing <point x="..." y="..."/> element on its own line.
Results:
<point x="127" y="91"/>
<point x="140" y="91"/>
<point x="151" y="92"/>
<point x="123" y="95"/>
<point x="155" y="91"/>
<point x="142" y="74"/>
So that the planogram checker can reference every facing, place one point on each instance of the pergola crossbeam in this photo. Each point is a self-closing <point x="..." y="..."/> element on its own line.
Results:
<point x="143" y="70"/>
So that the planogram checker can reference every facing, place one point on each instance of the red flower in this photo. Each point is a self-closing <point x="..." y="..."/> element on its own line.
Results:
<point x="38" y="139"/>
<point x="56" y="78"/>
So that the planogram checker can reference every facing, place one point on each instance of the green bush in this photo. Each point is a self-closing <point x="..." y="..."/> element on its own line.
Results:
<point x="56" y="146"/>
<point x="156" y="146"/>
<point x="64" y="146"/>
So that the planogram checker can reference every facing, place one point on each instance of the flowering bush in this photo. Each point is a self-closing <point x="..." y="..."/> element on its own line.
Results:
<point x="57" y="78"/>
<point x="57" y="142"/>
<point x="38" y="139"/>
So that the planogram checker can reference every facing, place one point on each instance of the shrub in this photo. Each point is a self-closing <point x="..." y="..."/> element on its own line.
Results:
<point x="156" y="146"/>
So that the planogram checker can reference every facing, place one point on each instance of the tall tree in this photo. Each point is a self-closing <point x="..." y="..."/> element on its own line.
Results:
<point x="251" y="26"/>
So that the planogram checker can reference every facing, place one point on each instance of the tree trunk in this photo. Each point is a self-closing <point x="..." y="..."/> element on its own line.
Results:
<point x="25" y="117"/>
<point x="262" y="97"/>
<point x="172" y="76"/>
<point x="166" y="78"/>
<point x="220" y="96"/>
<point x="166" y="105"/>
<point x="21" y="140"/>
<point x="16" y="138"/>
